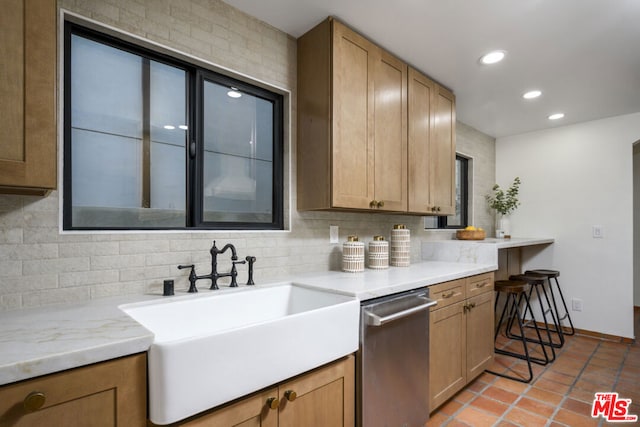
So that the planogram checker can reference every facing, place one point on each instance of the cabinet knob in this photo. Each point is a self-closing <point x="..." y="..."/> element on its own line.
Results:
<point x="34" y="401"/>
<point x="373" y="204"/>
<point x="290" y="395"/>
<point x="380" y="204"/>
<point x="273" y="403"/>
<point x="438" y="209"/>
<point x="433" y="209"/>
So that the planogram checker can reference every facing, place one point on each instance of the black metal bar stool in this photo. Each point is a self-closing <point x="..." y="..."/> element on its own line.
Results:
<point x="516" y="291"/>
<point x="536" y="283"/>
<point x="554" y="274"/>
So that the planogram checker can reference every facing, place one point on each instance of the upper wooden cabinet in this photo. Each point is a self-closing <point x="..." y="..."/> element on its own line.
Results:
<point x="352" y="115"/>
<point x="372" y="133"/>
<point x="432" y="149"/>
<point x="28" y="93"/>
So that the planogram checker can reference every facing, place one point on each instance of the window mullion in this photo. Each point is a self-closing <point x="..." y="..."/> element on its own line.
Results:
<point x="146" y="133"/>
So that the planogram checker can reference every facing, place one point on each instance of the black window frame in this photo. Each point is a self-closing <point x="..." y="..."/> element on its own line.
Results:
<point x="464" y="198"/>
<point x="193" y="146"/>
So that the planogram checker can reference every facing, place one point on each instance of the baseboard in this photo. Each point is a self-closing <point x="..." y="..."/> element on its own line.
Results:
<point x="592" y="334"/>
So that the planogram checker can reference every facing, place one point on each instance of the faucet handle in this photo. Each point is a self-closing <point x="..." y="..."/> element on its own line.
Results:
<point x="250" y="259"/>
<point x="234" y="273"/>
<point x="192" y="277"/>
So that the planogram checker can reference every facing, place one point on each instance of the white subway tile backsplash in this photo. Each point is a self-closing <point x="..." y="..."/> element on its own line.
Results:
<point x="82" y="278"/>
<point x="29" y="251"/>
<point x="144" y="247"/>
<point x="14" y="285"/>
<point x="78" y="249"/>
<point x="54" y="266"/>
<point x="116" y="262"/>
<point x="55" y="296"/>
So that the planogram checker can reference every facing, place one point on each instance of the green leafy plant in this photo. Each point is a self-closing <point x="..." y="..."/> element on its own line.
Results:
<point x="504" y="202"/>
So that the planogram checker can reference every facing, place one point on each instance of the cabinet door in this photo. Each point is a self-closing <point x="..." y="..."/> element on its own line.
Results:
<point x="443" y="153"/>
<point x="480" y="324"/>
<point x="106" y="394"/>
<point x="252" y="411"/>
<point x="390" y="133"/>
<point x="354" y="60"/>
<point x="447" y="345"/>
<point x="324" y="398"/>
<point x="27" y="89"/>
<point x="420" y="119"/>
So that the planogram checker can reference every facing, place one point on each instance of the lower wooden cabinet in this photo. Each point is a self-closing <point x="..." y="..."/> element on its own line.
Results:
<point x="460" y="335"/>
<point x="112" y="393"/>
<point x="324" y="397"/>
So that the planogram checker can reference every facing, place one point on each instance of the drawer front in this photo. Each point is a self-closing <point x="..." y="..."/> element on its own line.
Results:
<point x="447" y="293"/>
<point x="479" y="284"/>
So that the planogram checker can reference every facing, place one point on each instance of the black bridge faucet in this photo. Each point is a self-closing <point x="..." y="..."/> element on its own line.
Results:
<point x="214" y="275"/>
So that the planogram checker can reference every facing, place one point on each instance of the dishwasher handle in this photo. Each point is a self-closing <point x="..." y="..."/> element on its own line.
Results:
<point x="376" y="320"/>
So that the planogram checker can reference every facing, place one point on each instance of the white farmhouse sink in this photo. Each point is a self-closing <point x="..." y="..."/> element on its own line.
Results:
<point x="215" y="347"/>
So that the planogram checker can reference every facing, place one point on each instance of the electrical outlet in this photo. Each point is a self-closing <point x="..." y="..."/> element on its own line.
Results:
<point x="597" y="232"/>
<point x="576" y="304"/>
<point x="334" y="234"/>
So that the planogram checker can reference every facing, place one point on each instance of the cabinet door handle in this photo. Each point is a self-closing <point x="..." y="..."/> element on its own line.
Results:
<point x="448" y="295"/>
<point x="373" y="204"/>
<point x="34" y="401"/>
<point x="290" y="395"/>
<point x="481" y="285"/>
<point x="273" y="403"/>
<point x="380" y="204"/>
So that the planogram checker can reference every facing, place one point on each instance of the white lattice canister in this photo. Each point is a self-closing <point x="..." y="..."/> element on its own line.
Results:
<point x="353" y="255"/>
<point x="378" y="253"/>
<point x="400" y="252"/>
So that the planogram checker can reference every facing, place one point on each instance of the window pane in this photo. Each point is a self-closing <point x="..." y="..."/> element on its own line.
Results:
<point x="456" y="220"/>
<point x="168" y="139"/>
<point x="106" y="89"/>
<point x="238" y="156"/>
<point x="128" y="166"/>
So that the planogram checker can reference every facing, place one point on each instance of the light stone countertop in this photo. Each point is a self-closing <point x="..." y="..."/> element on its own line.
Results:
<point x="378" y="283"/>
<point x="40" y="341"/>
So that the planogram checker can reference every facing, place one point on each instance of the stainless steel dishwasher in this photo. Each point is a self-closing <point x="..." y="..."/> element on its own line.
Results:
<point x="393" y="360"/>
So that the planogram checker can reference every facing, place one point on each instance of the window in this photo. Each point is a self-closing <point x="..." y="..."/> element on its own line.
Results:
<point x="154" y="143"/>
<point x="461" y="217"/>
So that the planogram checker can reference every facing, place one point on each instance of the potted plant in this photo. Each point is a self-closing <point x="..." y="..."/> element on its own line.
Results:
<point x="504" y="202"/>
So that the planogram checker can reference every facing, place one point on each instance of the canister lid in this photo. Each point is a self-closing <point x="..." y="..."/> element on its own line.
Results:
<point x="378" y="238"/>
<point x="399" y="227"/>
<point x="352" y="238"/>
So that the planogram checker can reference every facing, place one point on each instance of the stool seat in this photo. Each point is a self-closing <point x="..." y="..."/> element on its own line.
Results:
<point x="510" y="286"/>
<point x="549" y="273"/>
<point x="532" y="279"/>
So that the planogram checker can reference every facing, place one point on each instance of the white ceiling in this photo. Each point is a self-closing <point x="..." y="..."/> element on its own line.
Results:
<point x="583" y="54"/>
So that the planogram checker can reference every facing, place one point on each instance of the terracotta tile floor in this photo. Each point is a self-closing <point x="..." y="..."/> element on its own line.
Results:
<point x="560" y="394"/>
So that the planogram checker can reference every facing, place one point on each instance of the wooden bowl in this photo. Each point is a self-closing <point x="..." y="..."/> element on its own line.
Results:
<point x="471" y="234"/>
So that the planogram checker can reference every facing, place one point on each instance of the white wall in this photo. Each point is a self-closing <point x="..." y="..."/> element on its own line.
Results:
<point x="636" y="224"/>
<point x="575" y="177"/>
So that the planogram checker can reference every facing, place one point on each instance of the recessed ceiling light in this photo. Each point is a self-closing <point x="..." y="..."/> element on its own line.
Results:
<point x="183" y="127"/>
<point x="531" y="94"/>
<point x="169" y="127"/>
<point x="493" y="57"/>
<point x="233" y="93"/>
<point x="556" y="116"/>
